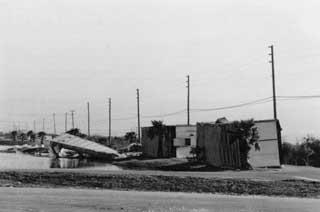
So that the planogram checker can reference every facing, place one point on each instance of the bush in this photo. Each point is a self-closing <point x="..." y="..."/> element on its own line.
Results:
<point x="306" y="153"/>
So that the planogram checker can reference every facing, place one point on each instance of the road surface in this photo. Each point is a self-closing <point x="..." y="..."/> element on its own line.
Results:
<point x="83" y="200"/>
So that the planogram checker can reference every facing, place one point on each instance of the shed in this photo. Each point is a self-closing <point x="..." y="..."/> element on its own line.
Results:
<point x="269" y="154"/>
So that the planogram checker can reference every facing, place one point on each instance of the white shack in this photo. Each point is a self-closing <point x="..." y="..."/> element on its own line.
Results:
<point x="186" y="137"/>
<point x="270" y="145"/>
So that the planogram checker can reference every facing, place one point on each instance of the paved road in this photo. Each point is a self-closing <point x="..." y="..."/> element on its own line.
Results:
<point x="81" y="200"/>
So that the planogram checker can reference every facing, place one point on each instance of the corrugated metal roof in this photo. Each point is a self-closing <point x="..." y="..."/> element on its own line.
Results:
<point x="77" y="142"/>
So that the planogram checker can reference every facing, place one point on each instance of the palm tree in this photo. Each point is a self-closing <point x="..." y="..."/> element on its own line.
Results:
<point x="22" y="136"/>
<point x="131" y="137"/>
<point x="41" y="135"/>
<point x="158" y="129"/>
<point x="31" y="136"/>
<point x="29" y="133"/>
<point x="14" y="135"/>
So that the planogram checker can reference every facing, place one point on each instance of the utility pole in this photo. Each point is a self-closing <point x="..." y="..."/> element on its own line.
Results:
<point x="275" y="106"/>
<point x="109" y="121"/>
<point x="34" y="126"/>
<point x="66" y="122"/>
<point x="188" y="100"/>
<point x="138" y="110"/>
<point x="72" y="118"/>
<point x="88" y="107"/>
<point x="43" y="125"/>
<point x="273" y="84"/>
<point x="54" y="124"/>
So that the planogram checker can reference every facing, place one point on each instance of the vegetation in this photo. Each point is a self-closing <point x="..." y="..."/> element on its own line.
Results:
<point x="14" y="135"/>
<point x="247" y="135"/>
<point x="31" y="135"/>
<point x="41" y="135"/>
<point x="131" y="137"/>
<point x="23" y="137"/>
<point x="76" y="132"/>
<point x="306" y="153"/>
<point x="157" y="129"/>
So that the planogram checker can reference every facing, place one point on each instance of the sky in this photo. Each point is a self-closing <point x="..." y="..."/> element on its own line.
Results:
<point x="55" y="56"/>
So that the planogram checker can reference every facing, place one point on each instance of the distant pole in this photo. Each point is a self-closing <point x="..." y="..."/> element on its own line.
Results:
<point x="54" y="124"/>
<point x="109" y="121"/>
<point x="88" y="107"/>
<point x="138" y="110"/>
<point x="273" y="84"/>
<point x="66" y="122"/>
<point x="34" y="126"/>
<point x="188" y="100"/>
<point x="72" y="118"/>
<point x="43" y="125"/>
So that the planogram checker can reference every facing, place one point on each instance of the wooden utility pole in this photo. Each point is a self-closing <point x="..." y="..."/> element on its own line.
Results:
<point x="273" y="84"/>
<point x="138" y="110"/>
<point x="66" y="122"/>
<point x="72" y="118"/>
<point x="88" y="107"/>
<point x="54" y="124"/>
<point x="43" y="125"/>
<point x="109" y="121"/>
<point x="34" y="126"/>
<point x="188" y="100"/>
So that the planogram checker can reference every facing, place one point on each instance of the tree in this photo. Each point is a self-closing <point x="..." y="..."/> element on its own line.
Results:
<point x="157" y="129"/>
<point x="247" y="135"/>
<point x="131" y="137"/>
<point x="41" y="135"/>
<point x="76" y="132"/>
<point x="288" y="152"/>
<point x="14" y="135"/>
<point x="22" y="136"/>
<point x="30" y="135"/>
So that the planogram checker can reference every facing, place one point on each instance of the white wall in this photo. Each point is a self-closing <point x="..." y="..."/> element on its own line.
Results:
<point x="183" y="152"/>
<point x="187" y="132"/>
<point x="269" y="152"/>
<point x="183" y="132"/>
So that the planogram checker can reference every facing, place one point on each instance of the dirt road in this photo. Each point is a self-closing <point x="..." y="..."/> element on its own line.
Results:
<point x="82" y="200"/>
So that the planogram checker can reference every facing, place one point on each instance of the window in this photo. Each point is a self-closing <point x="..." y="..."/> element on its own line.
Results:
<point x="188" y="141"/>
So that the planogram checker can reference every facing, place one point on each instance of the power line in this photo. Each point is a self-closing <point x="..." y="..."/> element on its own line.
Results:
<point x="236" y="106"/>
<point x="254" y="102"/>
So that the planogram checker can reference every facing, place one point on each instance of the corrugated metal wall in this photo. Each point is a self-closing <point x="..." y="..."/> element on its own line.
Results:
<point x="268" y="155"/>
<point x="150" y="147"/>
<point x="215" y="141"/>
<point x="218" y="149"/>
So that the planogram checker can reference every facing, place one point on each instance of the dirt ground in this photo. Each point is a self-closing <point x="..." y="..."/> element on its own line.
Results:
<point x="288" y="182"/>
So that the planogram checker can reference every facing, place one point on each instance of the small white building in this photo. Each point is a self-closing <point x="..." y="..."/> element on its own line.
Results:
<point x="186" y="137"/>
<point x="270" y="145"/>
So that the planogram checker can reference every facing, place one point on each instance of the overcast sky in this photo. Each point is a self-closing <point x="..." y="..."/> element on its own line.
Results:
<point x="57" y="55"/>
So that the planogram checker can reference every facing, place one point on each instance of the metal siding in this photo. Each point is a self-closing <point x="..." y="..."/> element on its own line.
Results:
<point x="269" y="150"/>
<point x="74" y="142"/>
